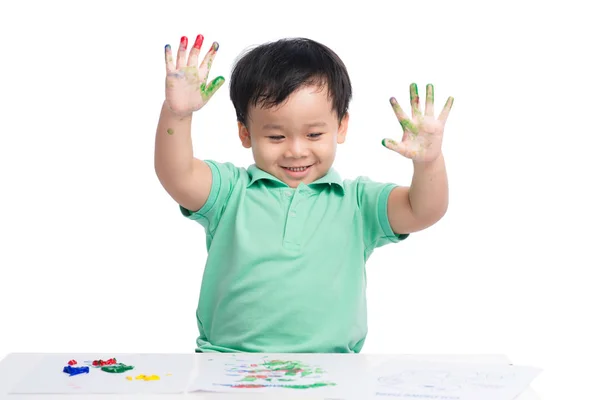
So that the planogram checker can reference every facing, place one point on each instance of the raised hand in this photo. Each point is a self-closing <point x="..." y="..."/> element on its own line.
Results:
<point x="422" y="137"/>
<point x="186" y="84"/>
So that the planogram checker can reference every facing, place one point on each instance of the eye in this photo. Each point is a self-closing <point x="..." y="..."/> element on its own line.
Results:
<point x="314" y="135"/>
<point x="277" y="137"/>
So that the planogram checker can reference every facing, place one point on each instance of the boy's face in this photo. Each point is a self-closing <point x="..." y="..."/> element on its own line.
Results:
<point x="297" y="140"/>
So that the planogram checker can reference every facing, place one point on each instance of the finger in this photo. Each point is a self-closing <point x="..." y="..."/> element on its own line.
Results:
<point x="208" y="60"/>
<point x="169" y="59"/>
<point x="209" y="90"/>
<point x="414" y="100"/>
<point x="195" y="51"/>
<point x="399" y="148"/>
<point x="402" y="117"/>
<point x="181" y="52"/>
<point x="446" y="111"/>
<point x="429" y="101"/>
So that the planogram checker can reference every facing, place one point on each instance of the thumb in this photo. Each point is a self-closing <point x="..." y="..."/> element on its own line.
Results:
<point x="399" y="148"/>
<point x="210" y="89"/>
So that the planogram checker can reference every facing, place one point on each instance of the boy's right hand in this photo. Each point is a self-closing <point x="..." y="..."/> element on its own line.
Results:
<point x="187" y="89"/>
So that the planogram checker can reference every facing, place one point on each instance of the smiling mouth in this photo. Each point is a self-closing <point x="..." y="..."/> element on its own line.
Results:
<point x="297" y="169"/>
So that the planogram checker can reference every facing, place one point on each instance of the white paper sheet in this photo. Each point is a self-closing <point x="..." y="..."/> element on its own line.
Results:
<point x="450" y="381"/>
<point x="47" y="376"/>
<point x="315" y="375"/>
<point x="329" y="376"/>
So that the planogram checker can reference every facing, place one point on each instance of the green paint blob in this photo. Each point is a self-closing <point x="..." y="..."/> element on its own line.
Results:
<point x="116" y="368"/>
<point x="170" y="131"/>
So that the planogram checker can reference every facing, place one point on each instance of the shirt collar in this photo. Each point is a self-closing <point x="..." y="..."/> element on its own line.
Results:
<point x="331" y="178"/>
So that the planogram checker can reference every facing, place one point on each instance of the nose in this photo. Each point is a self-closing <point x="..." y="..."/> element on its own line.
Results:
<point x="297" y="148"/>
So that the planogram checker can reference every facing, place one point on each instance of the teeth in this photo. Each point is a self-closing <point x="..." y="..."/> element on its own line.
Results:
<point x="298" y="169"/>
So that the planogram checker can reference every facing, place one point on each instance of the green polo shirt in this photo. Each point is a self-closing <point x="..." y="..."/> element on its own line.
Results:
<point x="285" y="271"/>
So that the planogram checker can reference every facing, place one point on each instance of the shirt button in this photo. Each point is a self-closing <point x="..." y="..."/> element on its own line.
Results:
<point x="288" y="194"/>
<point x="292" y="213"/>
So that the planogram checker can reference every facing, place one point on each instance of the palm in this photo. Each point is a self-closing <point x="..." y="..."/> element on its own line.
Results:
<point x="187" y="87"/>
<point x="422" y="136"/>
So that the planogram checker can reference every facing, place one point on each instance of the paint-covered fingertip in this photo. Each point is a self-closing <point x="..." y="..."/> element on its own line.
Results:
<point x="215" y="46"/>
<point x="393" y="100"/>
<point x="389" y="142"/>
<point x="167" y="47"/>
<point x="414" y="90"/>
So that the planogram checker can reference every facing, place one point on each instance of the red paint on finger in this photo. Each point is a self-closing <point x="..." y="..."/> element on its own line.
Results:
<point x="184" y="42"/>
<point x="198" y="43"/>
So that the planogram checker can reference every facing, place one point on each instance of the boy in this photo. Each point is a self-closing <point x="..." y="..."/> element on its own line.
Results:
<point x="287" y="238"/>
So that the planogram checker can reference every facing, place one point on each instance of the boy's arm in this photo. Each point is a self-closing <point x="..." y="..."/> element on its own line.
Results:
<point x="425" y="202"/>
<point x="187" y="179"/>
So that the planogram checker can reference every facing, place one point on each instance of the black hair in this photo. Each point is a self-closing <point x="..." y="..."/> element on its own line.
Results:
<point x="267" y="74"/>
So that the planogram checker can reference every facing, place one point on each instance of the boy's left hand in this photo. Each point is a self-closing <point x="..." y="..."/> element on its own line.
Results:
<point x="422" y="138"/>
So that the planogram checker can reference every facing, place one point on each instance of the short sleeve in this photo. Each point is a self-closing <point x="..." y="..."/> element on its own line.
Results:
<point x="224" y="178"/>
<point x="372" y="200"/>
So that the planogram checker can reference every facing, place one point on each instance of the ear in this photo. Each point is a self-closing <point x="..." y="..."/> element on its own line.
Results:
<point x="342" y="129"/>
<point x="244" y="135"/>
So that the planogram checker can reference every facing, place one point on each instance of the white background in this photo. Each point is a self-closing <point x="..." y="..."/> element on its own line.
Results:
<point x="95" y="256"/>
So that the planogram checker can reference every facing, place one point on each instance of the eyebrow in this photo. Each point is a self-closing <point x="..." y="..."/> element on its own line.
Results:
<point x="280" y="127"/>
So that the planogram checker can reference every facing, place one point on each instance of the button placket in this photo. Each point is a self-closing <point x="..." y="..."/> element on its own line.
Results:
<point x="293" y="226"/>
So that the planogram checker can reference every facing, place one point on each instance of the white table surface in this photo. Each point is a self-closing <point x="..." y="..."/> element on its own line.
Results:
<point x="15" y="366"/>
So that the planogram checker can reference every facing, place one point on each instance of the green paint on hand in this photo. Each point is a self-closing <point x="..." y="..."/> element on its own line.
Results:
<point x="429" y="93"/>
<point x="414" y="90"/>
<point x="208" y="91"/>
<point x="407" y="125"/>
<point x="397" y="109"/>
<point x="170" y="131"/>
<point x="414" y="97"/>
